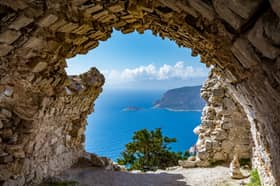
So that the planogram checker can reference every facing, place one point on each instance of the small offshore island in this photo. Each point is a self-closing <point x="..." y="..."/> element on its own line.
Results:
<point x="181" y="99"/>
<point x="131" y="108"/>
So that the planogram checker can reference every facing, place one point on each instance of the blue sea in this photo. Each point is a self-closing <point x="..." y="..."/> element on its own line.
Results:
<point x="110" y="128"/>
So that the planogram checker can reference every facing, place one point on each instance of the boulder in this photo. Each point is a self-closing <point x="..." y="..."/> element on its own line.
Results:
<point x="235" y="172"/>
<point x="187" y="163"/>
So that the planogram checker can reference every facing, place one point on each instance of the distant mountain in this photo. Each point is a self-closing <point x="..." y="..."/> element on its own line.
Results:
<point x="185" y="98"/>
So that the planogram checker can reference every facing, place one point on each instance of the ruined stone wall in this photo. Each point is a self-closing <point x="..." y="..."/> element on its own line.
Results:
<point x="225" y="129"/>
<point x="50" y="140"/>
<point x="239" y="38"/>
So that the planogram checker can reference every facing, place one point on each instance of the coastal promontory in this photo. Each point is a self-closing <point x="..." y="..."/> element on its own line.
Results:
<point x="181" y="99"/>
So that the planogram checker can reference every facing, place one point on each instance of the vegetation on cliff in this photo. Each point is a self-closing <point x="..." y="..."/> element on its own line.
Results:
<point x="185" y="98"/>
<point x="254" y="179"/>
<point x="149" y="150"/>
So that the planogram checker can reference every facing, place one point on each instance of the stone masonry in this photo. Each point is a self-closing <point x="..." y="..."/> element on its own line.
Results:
<point x="43" y="111"/>
<point x="225" y="129"/>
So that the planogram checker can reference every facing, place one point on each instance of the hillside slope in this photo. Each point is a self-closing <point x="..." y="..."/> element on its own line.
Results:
<point x="184" y="98"/>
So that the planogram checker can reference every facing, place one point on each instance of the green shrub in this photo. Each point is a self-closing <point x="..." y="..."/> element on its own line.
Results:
<point x="149" y="151"/>
<point x="254" y="178"/>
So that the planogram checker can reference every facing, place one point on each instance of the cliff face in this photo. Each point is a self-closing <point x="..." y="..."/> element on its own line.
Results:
<point x="184" y="98"/>
<point x="43" y="118"/>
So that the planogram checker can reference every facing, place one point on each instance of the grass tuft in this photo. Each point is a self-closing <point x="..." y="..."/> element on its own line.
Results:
<point x="254" y="178"/>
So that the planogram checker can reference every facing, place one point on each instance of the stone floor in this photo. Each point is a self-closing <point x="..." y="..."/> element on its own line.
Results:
<point x="217" y="176"/>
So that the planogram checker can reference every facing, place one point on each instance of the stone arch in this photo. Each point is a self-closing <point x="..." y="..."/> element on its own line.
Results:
<point x="239" y="38"/>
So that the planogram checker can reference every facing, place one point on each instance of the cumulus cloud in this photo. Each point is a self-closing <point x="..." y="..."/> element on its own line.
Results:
<point x="179" y="71"/>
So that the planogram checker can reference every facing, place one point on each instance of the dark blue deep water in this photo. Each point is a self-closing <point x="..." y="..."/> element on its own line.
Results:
<point x="110" y="128"/>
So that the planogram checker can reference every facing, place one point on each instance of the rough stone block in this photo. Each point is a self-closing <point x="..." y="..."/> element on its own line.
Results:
<point x="219" y="156"/>
<point x="6" y="159"/>
<point x="184" y="5"/>
<point x="202" y="163"/>
<point x="272" y="28"/>
<point x="187" y="163"/>
<point x="244" y="52"/>
<point x="245" y="8"/>
<point x="78" y="2"/>
<point x="202" y="155"/>
<point x="6" y="133"/>
<point x="227" y="146"/>
<point x="21" y="22"/>
<point x="109" y="18"/>
<point x="80" y="40"/>
<point x="91" y="44"/>
<point x="100" y="15"/>
<point x="9" y="36"/>
<point x="226" y="13"/>
<point x="35" y="43"/>
<point x="117" y="7"/>
<point x="92" y="10"/>
<point x="237" y="12"/>
<point x="208" y="145"/>
<point x="59" y="23"/>
<point x="257" y="37"/>
<point x="82" y="29"/>
<point x="5" y="49"/>
<point x="204" y="9"/>
<point x="68" y="28"/>
<point x="47" y="20"/>
<point x="52" y="45"/>
<point x="5" y="113"/>
<point x="171" y="4"/>
<point x="197" y="130"/>
<point x="226" y="126"/>
<point x="219" y="92"/>
<point x="219" y="134"/>
<point x="275" y="5"/>
<point x="14" y="4"/>
<point x="39" y="67"/>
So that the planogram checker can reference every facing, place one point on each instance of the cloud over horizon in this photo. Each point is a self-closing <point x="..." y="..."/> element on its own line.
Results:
<point x="179" y="71"/>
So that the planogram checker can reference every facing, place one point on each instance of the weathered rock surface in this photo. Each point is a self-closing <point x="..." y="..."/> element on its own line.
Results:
<point x="225" y="129"/>
<point x="43" y="112"/>
<point x="235" y="172"/>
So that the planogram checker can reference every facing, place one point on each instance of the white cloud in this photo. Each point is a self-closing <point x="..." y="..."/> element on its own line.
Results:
<point x="150" y="72"/>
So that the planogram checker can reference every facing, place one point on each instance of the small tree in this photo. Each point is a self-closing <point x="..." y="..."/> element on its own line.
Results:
<point x="149" y="150"/>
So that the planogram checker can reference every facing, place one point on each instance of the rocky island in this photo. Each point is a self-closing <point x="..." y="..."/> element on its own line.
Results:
<point x="131" y="108"/>
<point x="181" y="99"/>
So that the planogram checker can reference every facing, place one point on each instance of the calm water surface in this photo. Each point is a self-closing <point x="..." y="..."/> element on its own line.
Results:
<point x="110" y="128"/>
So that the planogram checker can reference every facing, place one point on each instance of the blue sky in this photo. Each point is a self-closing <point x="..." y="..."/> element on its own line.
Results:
<point x="141" y="61"/>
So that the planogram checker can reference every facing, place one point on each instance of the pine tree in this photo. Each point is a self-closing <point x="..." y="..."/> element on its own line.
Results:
<point x="149" y="150"/>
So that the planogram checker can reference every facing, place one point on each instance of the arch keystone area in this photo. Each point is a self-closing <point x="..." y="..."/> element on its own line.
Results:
<point x="43" y="111"/>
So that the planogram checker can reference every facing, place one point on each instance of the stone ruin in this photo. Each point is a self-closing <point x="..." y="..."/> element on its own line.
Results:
<point x="225" y="129"/>
<point x="43" y="111"/>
